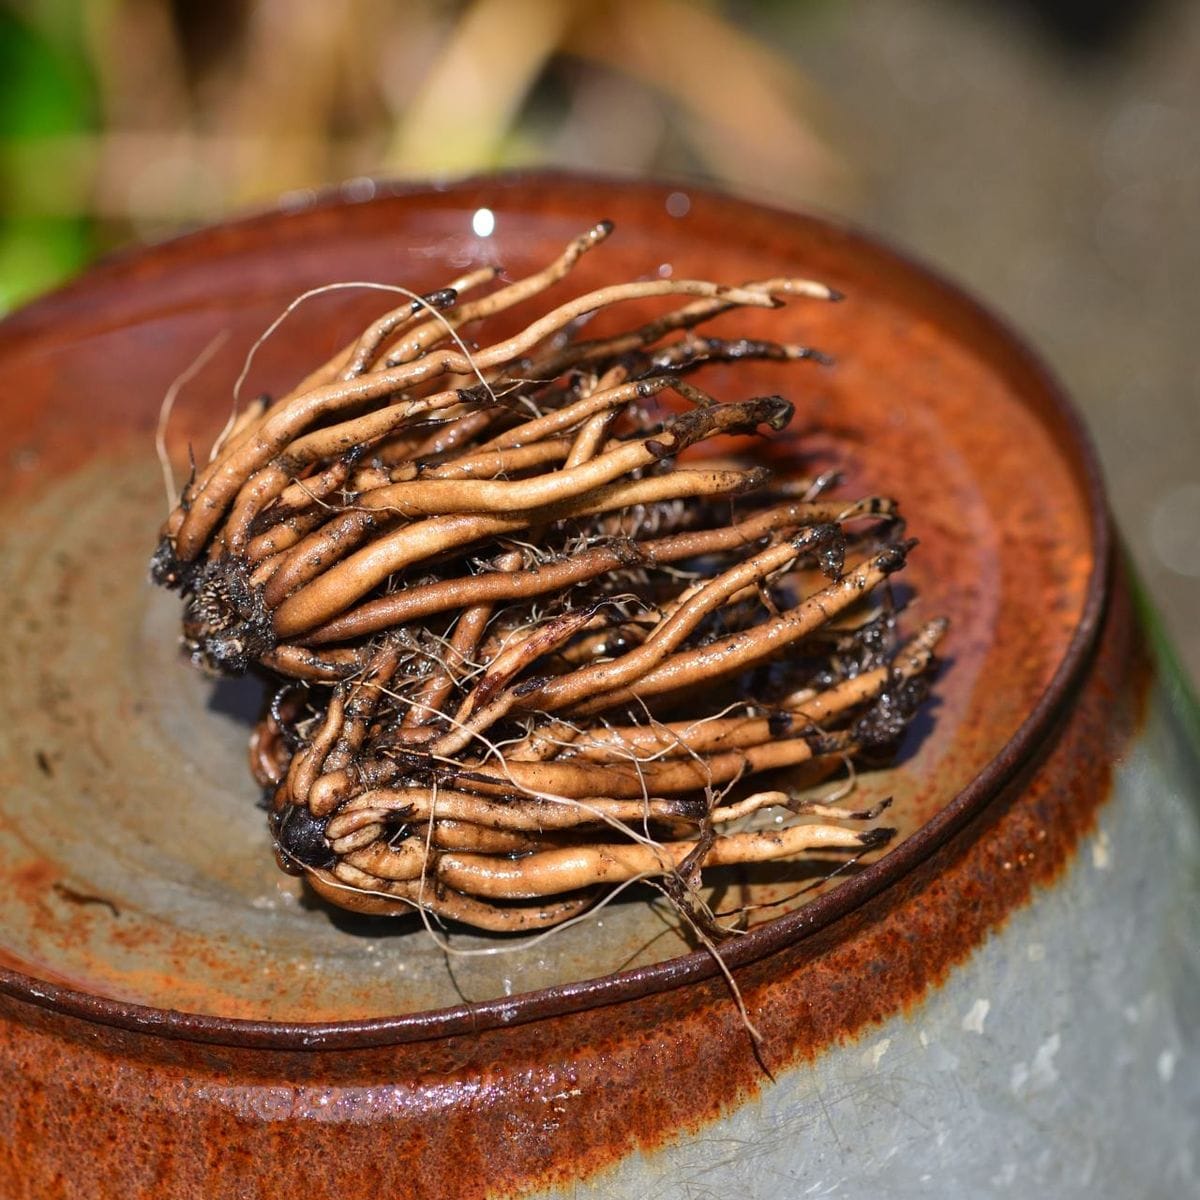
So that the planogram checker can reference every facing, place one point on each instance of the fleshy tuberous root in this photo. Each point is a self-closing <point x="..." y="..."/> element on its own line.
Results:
<point x="542" y="628"/>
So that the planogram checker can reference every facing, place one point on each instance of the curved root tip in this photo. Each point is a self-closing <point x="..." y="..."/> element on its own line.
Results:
<point x="777" y="412"/>
<point x="871" y="838"/>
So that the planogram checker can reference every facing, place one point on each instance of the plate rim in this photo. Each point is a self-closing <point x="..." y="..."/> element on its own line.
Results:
<point x="786" y="931"/>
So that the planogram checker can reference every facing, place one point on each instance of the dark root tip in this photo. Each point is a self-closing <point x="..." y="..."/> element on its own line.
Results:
<point x="167" y="570"/>
<point x="300" y="838"/>
<point x="871" y="838"/>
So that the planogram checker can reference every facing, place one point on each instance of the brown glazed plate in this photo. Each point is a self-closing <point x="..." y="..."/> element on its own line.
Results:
<point x="138" y="886"/>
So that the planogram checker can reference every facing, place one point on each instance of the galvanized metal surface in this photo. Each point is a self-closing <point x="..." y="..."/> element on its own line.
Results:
<point x="1061" y="1060"/>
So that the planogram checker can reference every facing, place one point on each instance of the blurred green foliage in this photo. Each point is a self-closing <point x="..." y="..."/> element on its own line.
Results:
<point x="46" y="92"/>
<point x="130" y="119"/>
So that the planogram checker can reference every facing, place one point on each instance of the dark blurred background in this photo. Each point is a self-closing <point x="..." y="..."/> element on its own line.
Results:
<point x="1045" y="153"/>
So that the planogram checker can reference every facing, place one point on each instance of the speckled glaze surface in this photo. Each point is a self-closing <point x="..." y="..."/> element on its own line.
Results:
<point x="176" y="1020"/>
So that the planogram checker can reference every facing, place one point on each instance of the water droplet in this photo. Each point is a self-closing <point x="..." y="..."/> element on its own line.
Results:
<point x="679" y="204"/>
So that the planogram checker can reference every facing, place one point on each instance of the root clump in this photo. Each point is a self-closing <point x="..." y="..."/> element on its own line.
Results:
<point x="527" y="643"/>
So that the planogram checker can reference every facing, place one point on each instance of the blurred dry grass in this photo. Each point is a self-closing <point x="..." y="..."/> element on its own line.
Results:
<point x="202" y="109"/>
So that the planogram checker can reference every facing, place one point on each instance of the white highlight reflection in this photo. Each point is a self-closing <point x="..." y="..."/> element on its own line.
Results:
<point x="483" y="222"/>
